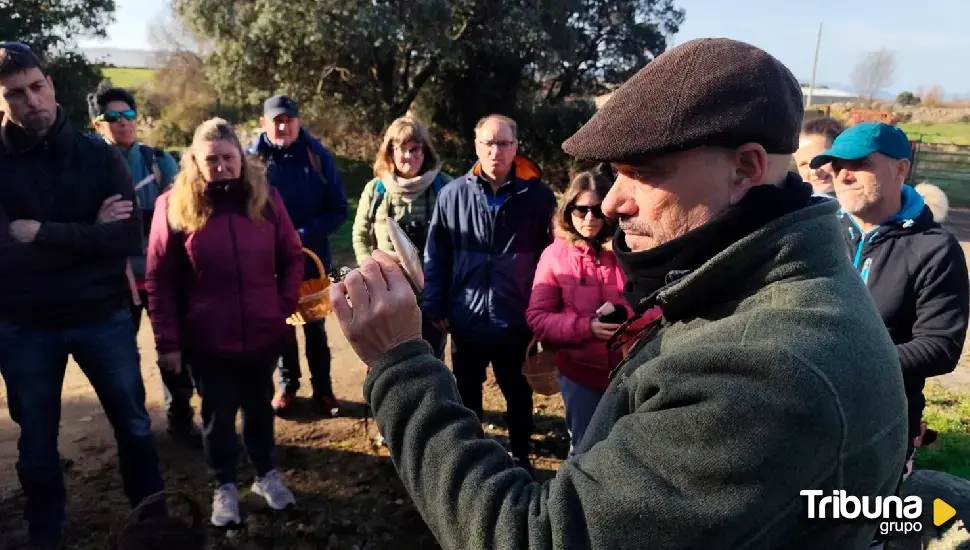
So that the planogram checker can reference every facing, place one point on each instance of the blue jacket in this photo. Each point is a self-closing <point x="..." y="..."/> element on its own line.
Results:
<point x="317" y="208"/>
<point x="479" y="266"/>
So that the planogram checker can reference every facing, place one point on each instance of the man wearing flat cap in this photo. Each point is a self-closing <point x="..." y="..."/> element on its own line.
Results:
<point x="770" y="372"/>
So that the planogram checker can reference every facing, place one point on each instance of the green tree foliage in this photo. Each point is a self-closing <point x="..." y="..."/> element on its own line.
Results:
<point x="50" y="28"/>
<point x="453" y="61"/>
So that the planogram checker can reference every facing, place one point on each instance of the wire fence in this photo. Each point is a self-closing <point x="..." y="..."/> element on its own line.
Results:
<point x="944" y="165"/>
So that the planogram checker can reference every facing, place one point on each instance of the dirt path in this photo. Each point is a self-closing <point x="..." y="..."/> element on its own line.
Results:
<point x="348" y="492"/>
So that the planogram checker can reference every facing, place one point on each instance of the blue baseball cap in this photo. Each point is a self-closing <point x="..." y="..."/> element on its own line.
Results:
<point x="864" y="139"/>
<point x="280" y="105"/>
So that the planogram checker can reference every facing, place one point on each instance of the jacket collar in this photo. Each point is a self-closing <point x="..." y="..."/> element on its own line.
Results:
<point x="13" y="139"/>
<point x="264" y="148"/>
<point x="523" y="172"/>
<point x="775" y="252"/>
<point x="914" y="216"/>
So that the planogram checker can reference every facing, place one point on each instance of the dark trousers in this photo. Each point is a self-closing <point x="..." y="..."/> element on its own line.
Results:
<point x="226" y="387"/>
<point x="32" y="363"/>
<point x="433" y="336"/>
<point x="470" y="361"/>
<point x="176" y="388"/>
<point x="317" y="358"/>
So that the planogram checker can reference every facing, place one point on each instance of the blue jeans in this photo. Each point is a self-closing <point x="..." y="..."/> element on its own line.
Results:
<point x="580" y="403"/>
<point x="32" y="362"/>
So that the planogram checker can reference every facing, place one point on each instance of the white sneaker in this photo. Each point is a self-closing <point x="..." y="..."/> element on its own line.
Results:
<point x="225" y="506"/>
<point x="271" y="488"/>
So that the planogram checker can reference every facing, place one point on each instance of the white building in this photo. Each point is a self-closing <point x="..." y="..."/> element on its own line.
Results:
<point x="822" y="95"/>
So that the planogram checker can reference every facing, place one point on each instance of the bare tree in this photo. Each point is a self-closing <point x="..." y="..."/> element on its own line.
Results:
<point x="874" y="72"/>
<point x="169" y="36"/>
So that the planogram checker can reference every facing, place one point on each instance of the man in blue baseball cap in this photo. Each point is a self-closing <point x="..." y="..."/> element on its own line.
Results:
<point x="279" y="105"/>
<point x="305" y="174"/>
<point x="914" y="268"/>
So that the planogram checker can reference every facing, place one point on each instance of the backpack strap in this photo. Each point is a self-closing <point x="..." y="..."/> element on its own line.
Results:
<point x="157" y="168"/>
<point x="379" y="191"/>
<point x="150" y="157"/>
<point x="316" y="163"/>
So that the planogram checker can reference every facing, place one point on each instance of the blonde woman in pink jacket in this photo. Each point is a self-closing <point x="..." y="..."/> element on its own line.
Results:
<point x="576" y="276"/>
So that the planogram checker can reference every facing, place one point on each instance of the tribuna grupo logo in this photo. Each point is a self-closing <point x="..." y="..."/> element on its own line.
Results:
<point x="894" y="514"/>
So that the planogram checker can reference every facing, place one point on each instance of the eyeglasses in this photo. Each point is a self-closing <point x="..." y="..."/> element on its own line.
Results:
<point x="583" y="210"/>
<point x="115" y="116"/>
<point x="15" y="47"/>
<point x="501" y="144"/>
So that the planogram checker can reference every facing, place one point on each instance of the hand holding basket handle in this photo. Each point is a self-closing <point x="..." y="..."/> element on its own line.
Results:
<point x="314" y="304"/>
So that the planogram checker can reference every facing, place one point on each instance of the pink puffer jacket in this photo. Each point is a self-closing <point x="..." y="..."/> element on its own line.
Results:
<point x="570" y="284"/>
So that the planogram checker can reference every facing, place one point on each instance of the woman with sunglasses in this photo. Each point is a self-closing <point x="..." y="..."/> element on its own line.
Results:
<point x="113" y="113"/>
<point x="578" y="274"/>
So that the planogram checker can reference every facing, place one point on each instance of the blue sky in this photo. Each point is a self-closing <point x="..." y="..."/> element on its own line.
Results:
<point x="929" y="37"/>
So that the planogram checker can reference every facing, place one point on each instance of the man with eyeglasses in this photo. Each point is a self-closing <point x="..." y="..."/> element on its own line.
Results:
<point x="486" y="235"/>
<point x="64" y="290"/>
<point x="114" y="115"/>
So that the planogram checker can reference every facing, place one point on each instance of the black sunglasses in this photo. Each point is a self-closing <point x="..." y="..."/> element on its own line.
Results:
<point x="115" y="116"/>
<point x="583" y="210"/>
<point x="15" y="47"/>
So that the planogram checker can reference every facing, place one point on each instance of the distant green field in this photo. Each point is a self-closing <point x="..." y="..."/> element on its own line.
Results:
<point x="128" y="78"/>
<point x="955" y="133"/>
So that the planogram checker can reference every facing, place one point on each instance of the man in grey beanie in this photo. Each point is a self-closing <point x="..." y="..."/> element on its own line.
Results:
<point x="768" y="375"/>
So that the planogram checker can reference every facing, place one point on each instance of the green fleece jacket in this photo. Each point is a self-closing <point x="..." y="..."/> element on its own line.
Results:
<point x="772" y="373"/>
<point x="371" y="234"/>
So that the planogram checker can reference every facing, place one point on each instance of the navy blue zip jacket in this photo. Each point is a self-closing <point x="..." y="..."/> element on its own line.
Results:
<point x="917" y="275"/>
<point x="482" y="252"/>
<point x="317" y="206"/>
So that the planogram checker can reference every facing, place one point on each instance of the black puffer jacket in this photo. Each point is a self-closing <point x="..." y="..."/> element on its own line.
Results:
<point x="74" y="272"/>
<point x="917" y="275"/>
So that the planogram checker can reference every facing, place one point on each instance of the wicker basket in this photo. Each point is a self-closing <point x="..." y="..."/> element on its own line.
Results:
<point x="314" y="304"/>
<point x="540" y="370"/>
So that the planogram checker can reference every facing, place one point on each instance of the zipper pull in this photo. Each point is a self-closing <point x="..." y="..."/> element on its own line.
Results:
<point x="865" y="270"/>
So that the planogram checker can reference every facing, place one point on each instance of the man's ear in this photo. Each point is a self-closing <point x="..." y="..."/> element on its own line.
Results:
<point x="750" y="169"/>
<point x="50" y="82"/>
<point x="902" y="169"/>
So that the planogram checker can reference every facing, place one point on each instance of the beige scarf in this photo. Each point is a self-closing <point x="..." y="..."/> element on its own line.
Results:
<point x="409" y="188"/>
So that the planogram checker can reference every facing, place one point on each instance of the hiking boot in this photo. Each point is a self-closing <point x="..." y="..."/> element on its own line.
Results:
<point x="225" y="506"/>
<point x="188" y="435"/>
<point x="327" y="404"/>
<point x="283" y="402"/>
<point x="271" y="488"/>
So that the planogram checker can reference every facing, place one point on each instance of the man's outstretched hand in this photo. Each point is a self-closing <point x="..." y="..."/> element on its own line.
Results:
<point x="376" y="307"/>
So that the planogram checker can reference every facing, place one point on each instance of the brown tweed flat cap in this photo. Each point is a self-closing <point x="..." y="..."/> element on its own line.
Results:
<point x="709" y="91"/>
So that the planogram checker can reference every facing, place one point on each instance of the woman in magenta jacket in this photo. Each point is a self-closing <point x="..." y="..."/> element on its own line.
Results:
<point x="576" y="275"/>
<point x="224" y="270"/>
